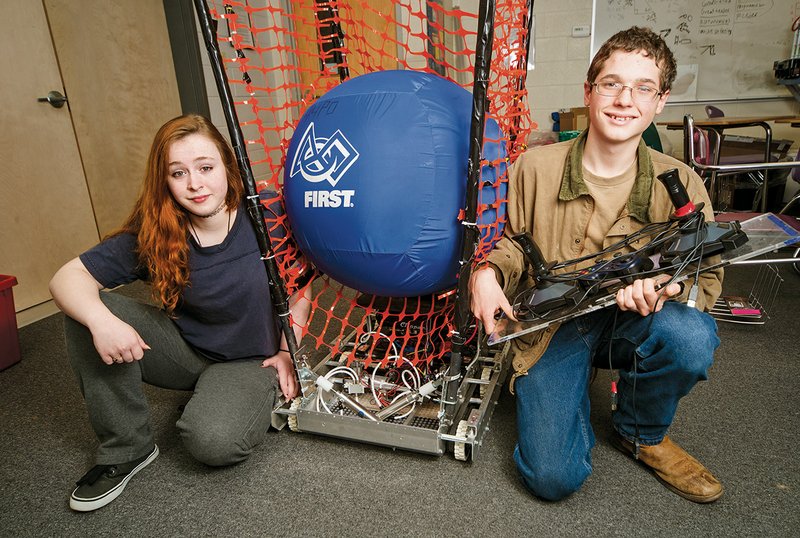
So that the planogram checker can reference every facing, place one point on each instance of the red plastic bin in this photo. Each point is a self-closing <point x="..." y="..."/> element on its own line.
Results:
<point x="9" y="338"/>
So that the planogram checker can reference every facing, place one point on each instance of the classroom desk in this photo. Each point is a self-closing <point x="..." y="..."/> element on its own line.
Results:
<point x="717" y="126"/>
<point x="793" y="121"/>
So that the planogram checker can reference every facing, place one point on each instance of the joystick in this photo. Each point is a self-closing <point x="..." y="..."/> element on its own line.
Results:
<point x="694" y="233"/>
<point x="677" y="193"/>
<point x="547" y="294"/>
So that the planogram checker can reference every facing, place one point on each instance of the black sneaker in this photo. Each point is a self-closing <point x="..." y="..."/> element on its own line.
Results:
<point x="104" y="483"/>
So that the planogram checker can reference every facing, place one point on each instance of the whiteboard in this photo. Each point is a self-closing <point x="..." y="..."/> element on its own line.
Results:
<point x="724" y="49"/>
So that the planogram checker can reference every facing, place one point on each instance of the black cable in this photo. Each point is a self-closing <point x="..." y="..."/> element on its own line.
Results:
<point x="594" y="274"/>
<point x="699" y="258"/>
<point x="699" y="242"/>
<point x="626" y="241"/>
<point x="636" y="436"/>
<point x="589" y="273"/>
<point x="610" y="362"/>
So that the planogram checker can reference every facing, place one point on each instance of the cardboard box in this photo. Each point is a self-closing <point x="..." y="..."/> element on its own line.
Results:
<point x="575" y="119"/>
<point x="9" y="338"/>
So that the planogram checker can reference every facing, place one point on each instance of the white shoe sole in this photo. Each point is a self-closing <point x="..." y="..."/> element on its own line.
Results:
<point x="87" y="505"/>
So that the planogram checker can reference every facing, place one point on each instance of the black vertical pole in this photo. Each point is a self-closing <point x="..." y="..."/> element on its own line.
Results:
<point x="280" y="299"/>
<point x="338" y="42"/>
<point x="522" y="66"/>
<point x="469" y="240"/>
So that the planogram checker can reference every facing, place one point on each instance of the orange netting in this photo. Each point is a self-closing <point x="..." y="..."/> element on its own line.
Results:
<point x="281" y="56"/>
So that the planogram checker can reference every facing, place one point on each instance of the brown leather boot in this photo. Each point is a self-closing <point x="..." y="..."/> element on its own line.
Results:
<point x="675" y="468"/>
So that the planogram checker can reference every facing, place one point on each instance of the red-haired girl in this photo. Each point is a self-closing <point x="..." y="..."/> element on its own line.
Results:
<point x="214" y="331"/>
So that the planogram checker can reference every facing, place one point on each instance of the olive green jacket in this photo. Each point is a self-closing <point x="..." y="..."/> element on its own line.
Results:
<point x="548" y="197"/>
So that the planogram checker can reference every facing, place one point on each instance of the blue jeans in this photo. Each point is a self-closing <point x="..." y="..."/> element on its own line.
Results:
<point x="659" y="357"/>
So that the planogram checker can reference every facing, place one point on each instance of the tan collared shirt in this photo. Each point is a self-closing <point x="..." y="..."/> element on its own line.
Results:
<point x="610" y="196"/>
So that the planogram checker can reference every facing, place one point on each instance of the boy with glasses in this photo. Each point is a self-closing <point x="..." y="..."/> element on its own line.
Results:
<point x="576" y="198"/>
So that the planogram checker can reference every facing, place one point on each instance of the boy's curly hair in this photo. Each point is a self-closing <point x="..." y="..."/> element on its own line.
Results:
<point x="637" y="39"/>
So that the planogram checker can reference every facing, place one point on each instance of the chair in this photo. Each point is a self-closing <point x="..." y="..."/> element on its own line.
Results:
<point x="756" y="177"/>
<point x="795" y="175"/>
<point x="708" y="144"/>
<point x="652" y="139"/>
<point x="702" y="147"/>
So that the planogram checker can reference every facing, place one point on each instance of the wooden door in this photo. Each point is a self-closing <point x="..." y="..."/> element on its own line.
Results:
<point x="116" y="62"/>
<point x="45" y="209"/>
<point x="71" y="175"/>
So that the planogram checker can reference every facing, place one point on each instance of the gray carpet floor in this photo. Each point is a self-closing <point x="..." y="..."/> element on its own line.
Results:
<point x="742" y="423"/>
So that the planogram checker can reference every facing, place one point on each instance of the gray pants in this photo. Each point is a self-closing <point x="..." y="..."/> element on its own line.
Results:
<point x="227" y="416"/>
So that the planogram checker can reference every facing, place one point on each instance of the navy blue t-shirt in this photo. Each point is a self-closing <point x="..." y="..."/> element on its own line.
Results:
<point x="226" y="312"/>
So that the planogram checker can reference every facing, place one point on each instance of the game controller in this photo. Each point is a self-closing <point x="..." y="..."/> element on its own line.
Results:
<point x="683" y="240"/>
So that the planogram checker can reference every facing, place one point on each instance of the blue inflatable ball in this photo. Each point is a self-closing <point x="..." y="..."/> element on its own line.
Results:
<point x="375" y="177"/>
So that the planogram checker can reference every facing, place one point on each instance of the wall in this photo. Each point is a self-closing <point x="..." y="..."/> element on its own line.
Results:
<point x="724" y="49"/>
<point x="276" y="17"/>
<point x="561" y="62"/>
<point x="556" y="82"/>
<point x="259" y="160"/>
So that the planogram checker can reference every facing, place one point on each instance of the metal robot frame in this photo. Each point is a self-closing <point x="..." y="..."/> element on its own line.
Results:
<point x="468" y="388"/>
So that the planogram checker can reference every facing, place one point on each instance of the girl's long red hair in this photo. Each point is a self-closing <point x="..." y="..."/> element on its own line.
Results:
<point x="159" y="223"/>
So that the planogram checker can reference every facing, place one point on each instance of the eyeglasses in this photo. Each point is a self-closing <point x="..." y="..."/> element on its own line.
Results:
<point x="641" y="93"/>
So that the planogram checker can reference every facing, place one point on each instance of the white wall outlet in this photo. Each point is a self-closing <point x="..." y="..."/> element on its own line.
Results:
<point x="581" y="31"/>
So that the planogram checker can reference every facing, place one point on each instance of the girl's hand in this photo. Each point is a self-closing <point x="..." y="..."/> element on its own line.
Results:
<point x="282" y="362"/>
<point x="117" y="342"/>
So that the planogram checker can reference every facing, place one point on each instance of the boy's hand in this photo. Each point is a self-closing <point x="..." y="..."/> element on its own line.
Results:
<point x="487" y="298"/>
<point x="642" y="296"/>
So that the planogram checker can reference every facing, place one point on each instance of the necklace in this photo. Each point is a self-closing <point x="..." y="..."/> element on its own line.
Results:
<point x="217" y="210"/>
<point x="194" y="232"/>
